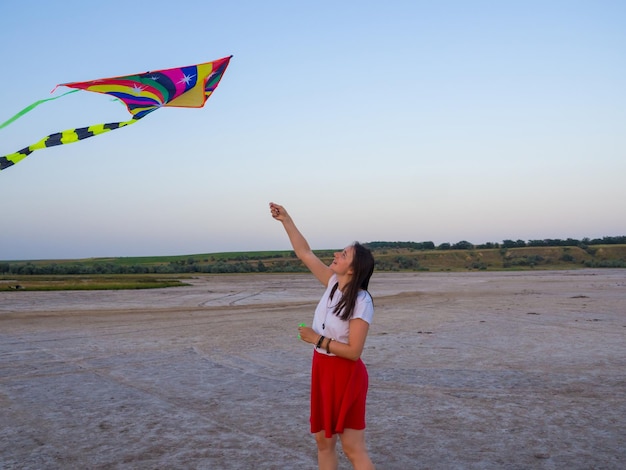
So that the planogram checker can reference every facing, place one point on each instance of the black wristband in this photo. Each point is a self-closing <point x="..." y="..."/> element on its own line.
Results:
<point x="319" y="342"/>
<point x="328" y="345"/>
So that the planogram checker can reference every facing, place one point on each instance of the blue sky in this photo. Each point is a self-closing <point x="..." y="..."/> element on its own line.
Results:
<point x="398" y="121"/>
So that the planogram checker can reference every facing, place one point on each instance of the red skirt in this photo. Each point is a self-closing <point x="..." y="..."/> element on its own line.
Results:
<point x="338" y="393"/>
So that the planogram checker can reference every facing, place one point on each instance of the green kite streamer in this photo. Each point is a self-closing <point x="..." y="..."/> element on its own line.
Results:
<point x="31" y="107"/>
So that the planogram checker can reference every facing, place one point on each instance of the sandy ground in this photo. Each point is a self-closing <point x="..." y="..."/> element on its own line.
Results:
<point x="467" y="371"/>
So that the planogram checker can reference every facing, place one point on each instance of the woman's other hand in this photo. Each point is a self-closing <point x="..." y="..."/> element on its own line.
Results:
<point x="308" y="334"/>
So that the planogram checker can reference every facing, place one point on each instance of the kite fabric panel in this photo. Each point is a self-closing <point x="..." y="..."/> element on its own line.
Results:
<point x="183" y="87"/>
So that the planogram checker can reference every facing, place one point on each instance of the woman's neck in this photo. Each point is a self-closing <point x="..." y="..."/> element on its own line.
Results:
<point x="343" y="281"/>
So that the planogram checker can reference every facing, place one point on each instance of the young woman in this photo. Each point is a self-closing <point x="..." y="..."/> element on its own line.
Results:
<point x="339" y="378"/>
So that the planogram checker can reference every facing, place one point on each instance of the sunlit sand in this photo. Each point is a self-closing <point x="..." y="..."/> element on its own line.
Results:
<point x="467" y="370"/>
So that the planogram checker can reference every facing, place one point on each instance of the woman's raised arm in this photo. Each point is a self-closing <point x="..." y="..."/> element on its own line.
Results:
<point x="300" y="245"/>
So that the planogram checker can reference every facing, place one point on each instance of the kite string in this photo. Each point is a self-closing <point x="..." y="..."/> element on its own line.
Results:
<point x="31" y="107"/>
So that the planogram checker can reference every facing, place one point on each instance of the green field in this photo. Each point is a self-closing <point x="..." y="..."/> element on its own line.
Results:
<point x="167" y="271"/>
<point x="87" y="282"/>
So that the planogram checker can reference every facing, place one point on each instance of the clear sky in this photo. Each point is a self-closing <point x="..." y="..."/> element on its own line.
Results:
<point x="399" y="121"/>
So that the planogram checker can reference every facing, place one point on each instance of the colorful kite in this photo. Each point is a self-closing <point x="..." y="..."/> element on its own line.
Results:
<point x="184" y="87"/>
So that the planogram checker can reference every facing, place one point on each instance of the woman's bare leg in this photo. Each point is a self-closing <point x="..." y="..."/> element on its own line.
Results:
<point x="326" y="451"/>
<point x="353" y="444"/>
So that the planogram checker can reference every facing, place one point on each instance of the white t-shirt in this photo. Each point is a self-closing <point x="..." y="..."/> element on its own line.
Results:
<point x="326" y="323"/>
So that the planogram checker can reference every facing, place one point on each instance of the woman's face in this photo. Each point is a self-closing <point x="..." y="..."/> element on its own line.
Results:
<point x="342" y="261"/>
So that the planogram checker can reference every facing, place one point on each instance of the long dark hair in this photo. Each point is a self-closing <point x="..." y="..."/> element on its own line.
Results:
<point x="362" y="267"/>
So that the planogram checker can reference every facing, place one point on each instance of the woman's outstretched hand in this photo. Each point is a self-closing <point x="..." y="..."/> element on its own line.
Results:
<point x="278" y="211"/>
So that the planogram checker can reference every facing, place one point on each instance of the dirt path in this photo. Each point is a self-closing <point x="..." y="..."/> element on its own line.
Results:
<point x="467" y="371"/>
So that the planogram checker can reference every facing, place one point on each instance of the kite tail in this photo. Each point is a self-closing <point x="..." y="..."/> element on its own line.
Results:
<point x="31" y="107"/>
<point x="61" y="138"/>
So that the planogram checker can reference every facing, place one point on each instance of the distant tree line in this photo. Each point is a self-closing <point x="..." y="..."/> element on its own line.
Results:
<point x="400" y="245"/>
<point x="287" y="262"/>
<point x="220" y="267"/>
<point x="465" y="245"/>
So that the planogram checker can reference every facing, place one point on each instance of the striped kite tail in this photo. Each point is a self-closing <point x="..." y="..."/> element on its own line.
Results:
<point x="61" y="138"/>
